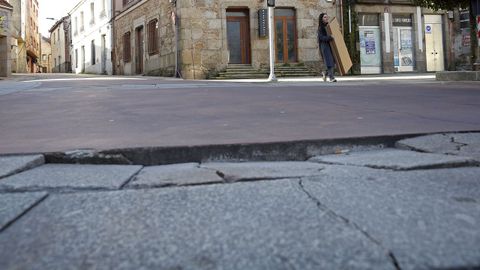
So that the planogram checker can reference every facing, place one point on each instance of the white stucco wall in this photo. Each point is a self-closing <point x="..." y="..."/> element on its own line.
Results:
<point x="91" y="31"/>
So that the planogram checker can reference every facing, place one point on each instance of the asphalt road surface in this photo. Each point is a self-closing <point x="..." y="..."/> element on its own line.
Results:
<point x="67" y="112"/>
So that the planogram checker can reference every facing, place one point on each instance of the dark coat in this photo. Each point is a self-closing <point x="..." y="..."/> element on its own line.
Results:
<point x="324" y="45"/>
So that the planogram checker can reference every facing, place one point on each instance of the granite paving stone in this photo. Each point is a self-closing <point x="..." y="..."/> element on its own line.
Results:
<point x="241" y="171"/>
<point x="460" y="144"/>
<point x="13" y="164"/>
<point x="13" y="205"/>
<point x="429" y="219"/>
<point x="395" y="159"/>
<point x="174" y="175"/>
<point x="261" y="225"/>
<point x="68" y="177"/>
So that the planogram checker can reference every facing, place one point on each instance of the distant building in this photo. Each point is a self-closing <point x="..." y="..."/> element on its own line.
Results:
<point x="201" y="38"/>
<point x="60" y="42"/>
<point x="5" y="20"/>
<point x="25" y="34"/>
<point x="46" y="56"/>
<point x="92" y="37"/>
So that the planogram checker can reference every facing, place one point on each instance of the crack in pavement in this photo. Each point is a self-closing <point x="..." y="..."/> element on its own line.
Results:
<point x="132" y="178"/>
<point x="350" y="223"/>
<point x="11" y="222"/>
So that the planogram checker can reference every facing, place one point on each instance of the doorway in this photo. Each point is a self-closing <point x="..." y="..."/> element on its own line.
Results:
<point x="285" y="35"/>
<point x="370" y="46"/>
<point x="434" y="43"/>
<point x="139" y="40"/>
<point x="238" y="36"/>
<point x="82" y="69"/>
<point x="403" y="49"/>
<point x="104" y="55"/>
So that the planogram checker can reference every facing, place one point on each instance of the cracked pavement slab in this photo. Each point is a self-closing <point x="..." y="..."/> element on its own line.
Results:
<point x="174" y="175"/>
<point x="13" y="164"/>
<point x="460" y="144"/>
<point x="242" y="171"/>
<point x="67" y="177"/>
<point x="394" y="159"/>
<point x="14" y="205"/>
<point x="428" y="219"/>
<point x="261" y="225"/>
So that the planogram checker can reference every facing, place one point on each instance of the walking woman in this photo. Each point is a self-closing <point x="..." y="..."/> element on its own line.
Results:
<point x="325" y="49"/>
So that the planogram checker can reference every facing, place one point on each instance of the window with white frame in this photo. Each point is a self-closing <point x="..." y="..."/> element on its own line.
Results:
<point x="92" y="13"/>
<point x="103" y="13"/>
<point x="76" y="26"/>
<point x="93" y="52"/>
<point x="82" y="21"/>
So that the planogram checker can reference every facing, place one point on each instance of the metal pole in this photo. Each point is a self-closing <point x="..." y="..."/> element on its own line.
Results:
<point x="272" y="77"/>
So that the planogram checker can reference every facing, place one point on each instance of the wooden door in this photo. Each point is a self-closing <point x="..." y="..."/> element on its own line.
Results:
<point x="285" y="35"/>
<point x="139" y="40"/>
<point x="238" y="36"/>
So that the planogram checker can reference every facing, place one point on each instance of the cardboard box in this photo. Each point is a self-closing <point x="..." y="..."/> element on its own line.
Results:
<point x="339" y="49"/>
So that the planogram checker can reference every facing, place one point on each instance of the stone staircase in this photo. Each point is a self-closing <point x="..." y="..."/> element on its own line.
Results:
<point x="245" y="71"/>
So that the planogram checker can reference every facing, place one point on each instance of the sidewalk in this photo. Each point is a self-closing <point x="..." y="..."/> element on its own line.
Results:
<point x="414" y="204"/>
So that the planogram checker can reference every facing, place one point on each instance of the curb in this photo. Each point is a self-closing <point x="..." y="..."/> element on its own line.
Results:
<point x="273" y="151"/>
<point x="458" y="76"/>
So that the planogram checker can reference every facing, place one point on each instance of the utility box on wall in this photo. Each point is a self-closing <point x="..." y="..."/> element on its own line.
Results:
<point x="263" y="23"/>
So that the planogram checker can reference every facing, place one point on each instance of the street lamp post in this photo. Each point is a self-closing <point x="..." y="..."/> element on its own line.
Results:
<point x="271" y="10"/>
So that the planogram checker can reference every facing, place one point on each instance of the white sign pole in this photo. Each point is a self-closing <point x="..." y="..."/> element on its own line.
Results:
<point x="272" y="77"/>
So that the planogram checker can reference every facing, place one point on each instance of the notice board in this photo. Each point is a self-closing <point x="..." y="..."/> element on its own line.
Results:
<point x="339" y="49"/>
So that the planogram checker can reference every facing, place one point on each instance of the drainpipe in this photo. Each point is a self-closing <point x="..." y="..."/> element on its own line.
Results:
<point x="113" y="35"/>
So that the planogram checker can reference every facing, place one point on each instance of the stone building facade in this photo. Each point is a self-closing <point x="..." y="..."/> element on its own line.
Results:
<point x="46" y="55"/>
<point x="395" y="36"/>
<point x="5" y="17"/>
<point x="144" y="38"/>
<point x="60" y="41"/>
<point x="25" y="36"/>
<point x="199" y="38"/>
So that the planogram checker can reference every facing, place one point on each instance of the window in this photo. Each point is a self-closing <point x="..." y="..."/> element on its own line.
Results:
<point x="127" y="57"/>
<point x="55" y="62"/>
<point x="58" y="34"/>
<point x="153" y="37"/>
<point x="126" y="2"/>
<point x="44" y="57"/>
<point x="53" y="37"/>
<point x="76" y="58"/>
<point x="76" y="26"/>
<point x="92" y="13"/>
<point x="93" y="52"/>
<point x="366" y="19"/>
<point x="82" y="21"/>
<point x="103" y="12"/>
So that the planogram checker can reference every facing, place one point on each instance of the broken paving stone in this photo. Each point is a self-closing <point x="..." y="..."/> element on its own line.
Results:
<point x="233" y="172"/>
<point x="460" y="144"/>
<point x="65" y="177"/>
<point x="261" y="225"/>
<point x="174" y="175"/>
<point x="13" y="164"/>
<point x="428" y="219"/>
<point x="394" y="159"/>
<point x="13" y="205"/>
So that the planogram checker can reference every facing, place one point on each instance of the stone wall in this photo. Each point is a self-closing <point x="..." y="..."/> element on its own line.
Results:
<point x="203" y="36"/>
<point x="159" y="64"/>
<point x="5" y="69"/>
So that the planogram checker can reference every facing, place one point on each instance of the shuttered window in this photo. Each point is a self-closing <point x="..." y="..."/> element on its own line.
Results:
<point x="127" y="56"/>
<point x="153" y="37"/>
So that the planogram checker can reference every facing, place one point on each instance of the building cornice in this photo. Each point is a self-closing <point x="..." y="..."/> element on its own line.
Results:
<point x="130" y="8"/>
